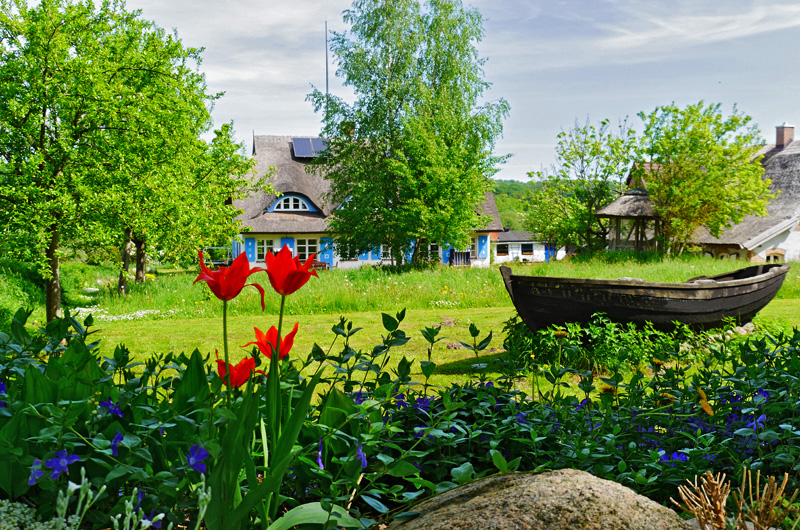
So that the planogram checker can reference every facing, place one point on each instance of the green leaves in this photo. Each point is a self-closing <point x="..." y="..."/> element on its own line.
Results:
<point x="702" y="170"/>
<point x="413" y="152"/>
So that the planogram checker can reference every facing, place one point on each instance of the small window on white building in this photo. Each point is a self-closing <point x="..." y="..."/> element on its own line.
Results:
<point x="473" y="248"/>
<point x="527" y="249"/>
<point x="262" y="247"/>
<point x="502" y="249"/>
<point x="306" y="247"/>
<point x="386" y="252"/>
<point x="291" y="204"/>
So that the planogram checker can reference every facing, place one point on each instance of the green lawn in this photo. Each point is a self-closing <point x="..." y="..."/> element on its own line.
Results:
<point x="144" y="337"/>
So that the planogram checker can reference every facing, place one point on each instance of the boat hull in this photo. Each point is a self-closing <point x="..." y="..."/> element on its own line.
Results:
<point x="702" y="303"/>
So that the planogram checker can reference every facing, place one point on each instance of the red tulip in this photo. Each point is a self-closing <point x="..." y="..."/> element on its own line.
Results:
<point x="227" y="282"/>
<point x="240" y="373"/>
<point x="268" y="342"/>
<point x="285" y="272"/>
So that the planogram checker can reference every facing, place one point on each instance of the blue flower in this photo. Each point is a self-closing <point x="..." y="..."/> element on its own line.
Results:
<point x="583" y="403"/>
<point x="112" y="408"/>
<point x="763" y="393"/>
<point x="319" y="456"/>
<point x="115" y="442"/>
<point x="521" y="417"/>
<point x="757" y="423"/>
<point x="36" y="472"/>
<point x="422" y="404"/>
<point x="358" y="397"/>
<point x="60" y="462"/>
<point x="2" y="391"/>
<point x="195" y="457"/>
<point x="361" y="456"/>
<point x="149" y="518"/>
<point x="674" y="457"/>
<point x="401" y="401"/>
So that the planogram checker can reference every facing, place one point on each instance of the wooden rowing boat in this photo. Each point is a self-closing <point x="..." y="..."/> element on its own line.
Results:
<point x="702" y="302"/>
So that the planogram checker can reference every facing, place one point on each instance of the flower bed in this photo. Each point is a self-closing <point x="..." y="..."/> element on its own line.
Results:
<point x="274" y="438"/>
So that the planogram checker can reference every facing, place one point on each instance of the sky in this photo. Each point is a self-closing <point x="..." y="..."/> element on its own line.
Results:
<point x="555" y="61"/>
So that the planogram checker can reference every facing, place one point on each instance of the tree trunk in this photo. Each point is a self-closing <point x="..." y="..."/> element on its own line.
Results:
<point x="141" y="258"/>
<point x="53" y="283"/>
<point x="122" y="284"/>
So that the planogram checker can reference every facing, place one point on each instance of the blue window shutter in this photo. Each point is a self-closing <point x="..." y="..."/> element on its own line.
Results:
<point x="236" y="249"/>
<point x="326" y="250"/>
<point x="483" y="247"/>
<point x="288" y="242"/>
<point x="363" y="256"/>
<point x="446" y="254"/>
<point x="250" y="248"/>
<point x="376" y="254"/>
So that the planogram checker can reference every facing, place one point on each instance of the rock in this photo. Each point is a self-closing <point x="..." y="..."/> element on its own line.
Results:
<point x="455" y="346"/>
<point x="447" y="322"/>
<point x="558" y="500"/>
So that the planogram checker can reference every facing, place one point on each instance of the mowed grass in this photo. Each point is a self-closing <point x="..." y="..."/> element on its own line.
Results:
<point x="170" y="314"/>
<point x="146" y="337"/>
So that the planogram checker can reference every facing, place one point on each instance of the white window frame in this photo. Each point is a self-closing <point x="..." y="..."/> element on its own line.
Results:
<point x="262" y="247"/>
<point x="291" y="203"/>
<point x="386" y="252"/>
<point x="473" y="248"/>
<point x="306" y="247"/>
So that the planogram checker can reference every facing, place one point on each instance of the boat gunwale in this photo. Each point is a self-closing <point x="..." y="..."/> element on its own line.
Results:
<point x="695" y="285"/>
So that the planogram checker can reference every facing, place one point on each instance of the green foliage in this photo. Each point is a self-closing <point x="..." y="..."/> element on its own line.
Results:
<point x="513" y="201"/>
<point x="600" y="345"/>
<point x="592" y="163"/>
<point x="409" y="160"/>
<point x="102" y="115"/>
<point x="20" y="286"/>
<point x="702" y="170"/>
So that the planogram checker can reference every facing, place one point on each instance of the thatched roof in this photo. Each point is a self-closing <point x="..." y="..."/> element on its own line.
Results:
<point x="635" y="204"/>
<point x="290" y="176"/>
<point x="782" y="166"/>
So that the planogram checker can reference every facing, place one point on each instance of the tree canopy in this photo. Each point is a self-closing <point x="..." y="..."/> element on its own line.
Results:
<point x="101" y="117"/>
<point x="410" y="159"/>
<point x="698" y="165"/>
<point x="592" y="164"/>
<point x="702" y="169"/>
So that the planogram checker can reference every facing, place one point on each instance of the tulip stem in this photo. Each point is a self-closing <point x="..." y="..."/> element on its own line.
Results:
<point x="225" y="348"/>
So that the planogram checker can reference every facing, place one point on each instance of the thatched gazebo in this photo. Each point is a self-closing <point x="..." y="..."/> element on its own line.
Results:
<point x="633" y="215"/>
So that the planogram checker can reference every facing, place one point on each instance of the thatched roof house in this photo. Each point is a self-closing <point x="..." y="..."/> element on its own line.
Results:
<point x="299" y="216"/>
<point x="774" y="237"/>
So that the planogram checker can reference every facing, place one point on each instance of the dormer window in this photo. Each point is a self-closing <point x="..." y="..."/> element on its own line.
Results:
<point x="292" y="203"/>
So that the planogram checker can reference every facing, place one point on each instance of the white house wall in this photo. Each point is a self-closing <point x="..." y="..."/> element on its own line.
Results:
<point x="788" y="241"/>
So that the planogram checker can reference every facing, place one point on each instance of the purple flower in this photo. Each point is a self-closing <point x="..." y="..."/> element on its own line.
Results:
<point x="36" y="472"/>
<point x="674" y="457"/>
<point x="489" y="384"/>
<point x="401" y="401"/>
<point x="521" y="417"/>
<point x="195" y="457"/>
<point x="358" y="397"/>
<point x="60" y="462"/>
<point x="115" y="442"/>
<point x="763" y="393"/>
<point x="112" y="408"/>
<point x="422" y="404"/>
<point x="757" y="423"/>
<point x="2" y="391"/>
<point x="319" y="456"/>
<point x="157" y="524"/>
<point x="583" y="403"/>
<point x="139" y="499"/>
<point x="361" y="456"/>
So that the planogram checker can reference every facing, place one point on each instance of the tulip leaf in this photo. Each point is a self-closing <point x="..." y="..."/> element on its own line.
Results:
<point x="314" y="514"/>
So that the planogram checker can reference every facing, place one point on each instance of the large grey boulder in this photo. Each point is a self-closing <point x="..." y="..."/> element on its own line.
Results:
<point x="559" y="500"/>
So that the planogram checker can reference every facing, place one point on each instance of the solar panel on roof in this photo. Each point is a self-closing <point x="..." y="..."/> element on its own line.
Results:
<point x="318" y="145"/>
<point x="302" y="147"/>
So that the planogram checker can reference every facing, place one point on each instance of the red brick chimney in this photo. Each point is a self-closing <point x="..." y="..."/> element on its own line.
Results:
<point x="784" y="134"/>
